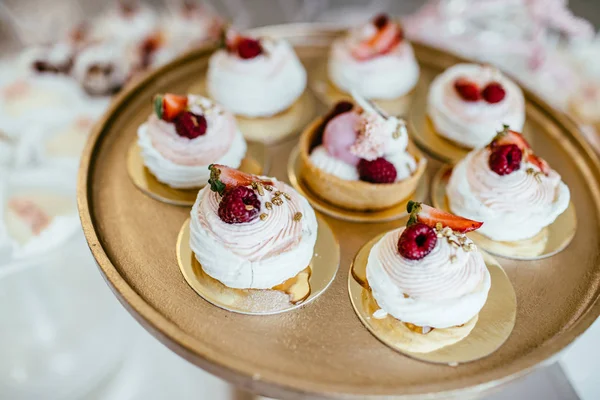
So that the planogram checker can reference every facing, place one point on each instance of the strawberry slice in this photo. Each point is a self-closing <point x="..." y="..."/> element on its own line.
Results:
<point x="539" y="162"/>
<point x="224" y="178"/>
<point x="384" y="41"/>
<point x="168" y="106"/>
<point x="506" y="136"/>
<point x="430" y="216"/>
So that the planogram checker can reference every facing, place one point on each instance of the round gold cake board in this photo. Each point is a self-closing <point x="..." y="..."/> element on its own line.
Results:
<point x="389" y="214"/>
<point x="330" y="94"/>
<point x="274" y="129"/>
<point x="493" y="327"/>
<point x="323" y="350"/>
<point x="426" y="137"/>
<point x="321" y="271"/>
<point x="550" y="241"/>
<point x="255" y="163"/>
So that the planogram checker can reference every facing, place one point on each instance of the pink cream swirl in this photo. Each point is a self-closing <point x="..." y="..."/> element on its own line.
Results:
<point x="448" y="287"/>
<point x="514" y="206"/>
<point x="258" y="254"/>
<point x="203" y="150"/>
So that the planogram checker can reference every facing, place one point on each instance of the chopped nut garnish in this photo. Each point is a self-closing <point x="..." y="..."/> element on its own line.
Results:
<point x="439" y="226"/>
<point x="405" y="295"/>
<point x="536" y="174"/>
<point x="269" y="188"/>
<point x="287" y="196"/>
<point x="277" y="201"/>
<point x="453" y="258"/>
<point x="269" y="205"/>
<point x="297" y="216"/>
<point x="263" y="216"/>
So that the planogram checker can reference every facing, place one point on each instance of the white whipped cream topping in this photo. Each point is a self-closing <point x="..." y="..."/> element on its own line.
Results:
<point x="259" y="87"/>
<point x="387" y="76"/>
<point x="512" y="207"/>
<point x="321" y="158"/>
<point x="257" y="254"/>
<point x="441" y="293"/>
<point x="183" y="163"/>
<point x="473" y="124"/>
<point x="131" y="27"/>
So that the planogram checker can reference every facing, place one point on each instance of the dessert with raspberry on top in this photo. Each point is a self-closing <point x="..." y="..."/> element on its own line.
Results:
<point x="186" y="134"/>
<point x="359" y="158"/>
<point x="507" y="186"/>
<point x="374" y="59"/>
<point x="251" y="232"/>
<point x="468" y="102"/>
<point x="431" y="277"/>
<point x="255" y="77"/>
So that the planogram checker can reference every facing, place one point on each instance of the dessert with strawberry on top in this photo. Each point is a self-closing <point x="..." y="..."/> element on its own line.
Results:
<point x="251" y="232"/>
<point x="506" y="185"/>
<point x="468" y="102"/>
<point x="359" y="158"/>
<point x="430" y="276"/>
<point x="184" y="135"/>
<point x="374" y="59"/>
<point x="255" y="77"/>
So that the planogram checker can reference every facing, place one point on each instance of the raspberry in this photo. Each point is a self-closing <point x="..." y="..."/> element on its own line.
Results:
<point x="505" y="159"/>
<point x="377" y="171"/>
<point x="249" y="48"/>
<point x="190" y="125"/>
<point x="381" y="21"/>
<point x="493" y="93"/>
<point x="467" y="90"/>
<point x="239" y="205"/>
<point x="416" y="241"/>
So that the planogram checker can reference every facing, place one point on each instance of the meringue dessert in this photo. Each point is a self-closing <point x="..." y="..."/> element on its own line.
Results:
<point x="508" y="187"/>
<point x="359" y="159"/>
<point x="428" y="280"/>
<point x="185" y="135"/>
<point x="253" y="232"/>
<point x="468" y="102"/>
<point x="255" y="77"/>
<point x="375" y="60"/>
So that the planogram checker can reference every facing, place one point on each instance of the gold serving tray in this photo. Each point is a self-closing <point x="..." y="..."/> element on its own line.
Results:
<point x="322" y="349"/>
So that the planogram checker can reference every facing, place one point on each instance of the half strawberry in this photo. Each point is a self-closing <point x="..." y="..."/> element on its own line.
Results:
<point x="168" y="106"/>
<point x="430" y="216"/>
<point x="507" y="136"/>
<point x="224" y="178"/>
<point x="386" y="38"/>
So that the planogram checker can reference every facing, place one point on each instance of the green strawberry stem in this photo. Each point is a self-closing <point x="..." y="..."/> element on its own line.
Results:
<point x="158" y="106"/>
<point x="413" y="208"/>
<point x="215" y="183"/>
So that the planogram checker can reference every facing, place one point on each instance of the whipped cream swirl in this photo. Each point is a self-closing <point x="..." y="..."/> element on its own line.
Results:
<point x="259" y="87"/>
<point x="386" y="76"/>
<point x="446" y="288"/>
<point x="513" y="207"/>
<point x="259" y="254"/>
<point x="473" y="124"/>
<point x="183" y="163"/>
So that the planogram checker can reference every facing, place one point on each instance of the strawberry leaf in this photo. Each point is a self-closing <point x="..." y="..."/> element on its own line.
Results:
<point x="215" y="183"/>
<point x="158" y="106"/>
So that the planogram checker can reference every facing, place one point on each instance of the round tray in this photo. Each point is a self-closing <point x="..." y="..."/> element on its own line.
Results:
<point x="322" y="349"/>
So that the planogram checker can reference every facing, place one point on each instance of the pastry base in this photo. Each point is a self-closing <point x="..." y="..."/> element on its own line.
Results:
<point x="549" y="241"/>
<point x="255" y="162"/>
<point x="478" y="338"/>
<point x="306" y="285"/>
<point x="354" y="195"/>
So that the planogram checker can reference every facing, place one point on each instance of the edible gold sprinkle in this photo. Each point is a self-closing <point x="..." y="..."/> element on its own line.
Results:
<point x="263" y="217"/>
<point x="438" y="226"/>
<point x="269" y="205"/>
<point x="453" y="258"/>
<point x="249" y="207"/>
<point x="277" y="201"/>
<point x="297" y="216"/>
<point x="269" y="188"/>
<point x="405" y="295"/>
<point x="287" y="196"/>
